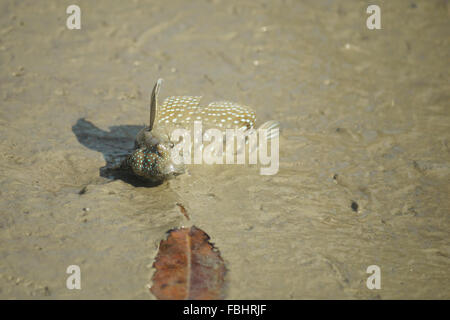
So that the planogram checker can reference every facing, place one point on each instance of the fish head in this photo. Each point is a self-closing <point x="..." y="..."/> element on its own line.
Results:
<point x="152" y="154"/>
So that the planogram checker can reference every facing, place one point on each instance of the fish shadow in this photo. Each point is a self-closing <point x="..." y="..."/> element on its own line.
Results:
<point x="115" y="145"/>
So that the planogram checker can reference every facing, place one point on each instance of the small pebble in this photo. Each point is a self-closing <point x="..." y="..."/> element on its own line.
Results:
<point x="354" y="206"/>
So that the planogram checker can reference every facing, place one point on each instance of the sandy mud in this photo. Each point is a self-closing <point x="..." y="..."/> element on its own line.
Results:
<point x="364" y="148"/>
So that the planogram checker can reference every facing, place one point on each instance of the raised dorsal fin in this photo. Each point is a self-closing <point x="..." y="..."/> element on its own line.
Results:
<point x="154" y="103"/>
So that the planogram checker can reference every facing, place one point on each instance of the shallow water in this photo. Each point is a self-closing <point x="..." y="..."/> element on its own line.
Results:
<point x="364" y="116"/>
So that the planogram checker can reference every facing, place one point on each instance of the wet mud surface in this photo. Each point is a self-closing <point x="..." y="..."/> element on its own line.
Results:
<point x="364" y="147"/>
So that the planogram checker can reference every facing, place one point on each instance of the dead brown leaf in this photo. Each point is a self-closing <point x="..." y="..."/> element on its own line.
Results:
<point x="188" y="267"/>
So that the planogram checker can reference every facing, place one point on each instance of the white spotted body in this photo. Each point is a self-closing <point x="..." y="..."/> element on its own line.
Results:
<point x="184" y="111"/>
<point x="150" y="159"/>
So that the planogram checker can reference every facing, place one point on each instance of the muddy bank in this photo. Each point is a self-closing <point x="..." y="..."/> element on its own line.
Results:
<point x="365" y="120"/>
